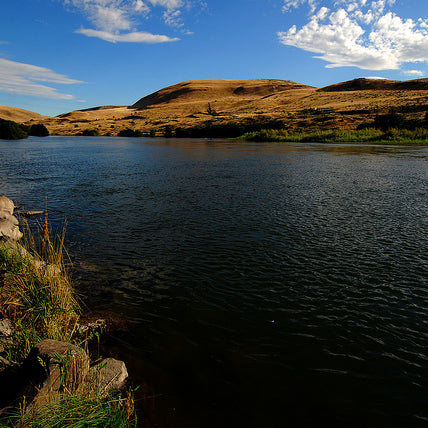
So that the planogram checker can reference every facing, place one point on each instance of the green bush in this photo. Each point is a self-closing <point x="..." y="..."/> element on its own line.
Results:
<point x="211" y="129"/>
<point x="128" y="132"/>
<point x="368" y="135"/>
<point x="38" y="130"/>
<point x="389" y="121"/>
<point x="89" y="133"/>
<point x="168" y="133"/>
<point x="10" y="130"/>
<point x="394" y="120"/>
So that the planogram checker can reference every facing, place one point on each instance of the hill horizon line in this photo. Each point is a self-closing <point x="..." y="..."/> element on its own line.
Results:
<point x="187" y="88"/>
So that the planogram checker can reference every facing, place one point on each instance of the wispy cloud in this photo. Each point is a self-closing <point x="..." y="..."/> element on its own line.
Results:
<point x="135" y="37"/>
<point x="20" y="78"/>
<point x="117" y="20"/>
<point x="359" y="33"/>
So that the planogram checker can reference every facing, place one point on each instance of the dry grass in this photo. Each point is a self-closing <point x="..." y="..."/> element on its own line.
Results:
<point x="37" y="295"/>
<point x="19" y="115"/>
<point x="185" y="105"/>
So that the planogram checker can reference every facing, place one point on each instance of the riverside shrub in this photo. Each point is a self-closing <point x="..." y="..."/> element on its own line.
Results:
<point x="38" y="130"/>
<point x="10" y="130"/>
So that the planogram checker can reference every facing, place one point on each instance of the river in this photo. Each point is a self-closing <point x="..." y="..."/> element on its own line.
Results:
<point x="265" y="285"/>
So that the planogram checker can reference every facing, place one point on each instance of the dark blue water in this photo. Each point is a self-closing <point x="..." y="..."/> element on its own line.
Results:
<point x="265" y="285"/>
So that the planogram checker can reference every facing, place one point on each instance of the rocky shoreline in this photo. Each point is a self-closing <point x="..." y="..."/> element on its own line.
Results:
<point x="54" y="368"/>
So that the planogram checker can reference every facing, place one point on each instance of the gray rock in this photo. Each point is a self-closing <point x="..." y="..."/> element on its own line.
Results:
<point x="65" y="366"/>
<point x="53" y="353"/>
<point x="109" y="375"/>
<point x="9" y="230"/>
<point x="5" y="328"/>
<point x="6" y="205"/>
<point x="4" y="216"/>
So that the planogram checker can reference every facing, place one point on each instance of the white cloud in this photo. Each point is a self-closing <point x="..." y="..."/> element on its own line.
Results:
<point x="111" y="19"/>
<point x="414" y="72"/>
<point x="289" y="5"/>
<point x="135" y="37"/>
<point x="173" y="18"/>
<point x="20" y="78"/>
<point x="116" y="20"/>
<point x="363" y="34"/>
<point x="292" y="4"/>
<point x="168" y="4"/>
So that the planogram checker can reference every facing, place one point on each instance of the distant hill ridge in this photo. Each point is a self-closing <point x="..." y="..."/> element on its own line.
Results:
<point x="198" y="103"/>
<point x="19" y="115"/>
<point x="363" y="84"/>
<point x="212" y="89"/>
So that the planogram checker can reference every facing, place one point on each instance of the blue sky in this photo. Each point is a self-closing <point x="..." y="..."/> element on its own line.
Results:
<point x="62" y="55"/>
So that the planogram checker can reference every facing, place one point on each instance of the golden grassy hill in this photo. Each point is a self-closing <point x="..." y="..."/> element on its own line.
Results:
<point x="197" y="102"/>
<point x="19" y="115"/>
<point x="229" y="93"/>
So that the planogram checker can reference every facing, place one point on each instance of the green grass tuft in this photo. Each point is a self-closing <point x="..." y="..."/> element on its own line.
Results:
<point x="368" y="135"/>
<point x="76" y="411"/>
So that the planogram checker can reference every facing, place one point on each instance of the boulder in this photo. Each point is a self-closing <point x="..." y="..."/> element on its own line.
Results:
<point x="6" y="205"/>
<point x="65" y="367"/>
<point x="109" y="375"/>
<point x="9" y="230"/>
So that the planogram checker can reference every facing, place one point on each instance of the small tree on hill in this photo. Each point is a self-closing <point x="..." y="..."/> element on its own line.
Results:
<point x="211" y="111"/>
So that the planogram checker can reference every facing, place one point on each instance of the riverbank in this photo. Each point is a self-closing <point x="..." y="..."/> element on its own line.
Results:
<point x="41" y="332"/>
<point x="371" y="135"/>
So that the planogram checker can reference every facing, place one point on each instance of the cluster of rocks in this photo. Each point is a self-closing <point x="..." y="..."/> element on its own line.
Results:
<point x="66" y="367"/>
<point x="53" y="369"/>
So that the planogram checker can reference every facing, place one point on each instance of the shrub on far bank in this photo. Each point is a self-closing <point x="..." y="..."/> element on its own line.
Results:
<point x="10" y="130"/>
<point x="128" y="132"/>
<point x="366" y="135"/>
<point x="38" y="130"/>
<point x="212" y="129"/>
<point x="169" y="132"/>
<point x="394" y="120"/>
<point x="89" y="133"/>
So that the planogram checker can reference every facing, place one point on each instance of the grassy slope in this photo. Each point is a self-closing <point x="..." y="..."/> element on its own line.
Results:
<point x="20" y="115"/>
<point x="341" y="106"/>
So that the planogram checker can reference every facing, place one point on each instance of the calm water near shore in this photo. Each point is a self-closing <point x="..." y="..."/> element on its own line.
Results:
<point x="266" y="285"/>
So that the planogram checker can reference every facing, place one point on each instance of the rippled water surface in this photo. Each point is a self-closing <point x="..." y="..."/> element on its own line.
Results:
<point x="265" y="285"/>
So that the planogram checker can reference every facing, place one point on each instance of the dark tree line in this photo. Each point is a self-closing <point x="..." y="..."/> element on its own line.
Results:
<point x="394" y="120"/>
<point x="10" y="130"/>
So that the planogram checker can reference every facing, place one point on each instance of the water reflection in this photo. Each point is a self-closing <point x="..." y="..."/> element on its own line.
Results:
<point x="263" y="282"/>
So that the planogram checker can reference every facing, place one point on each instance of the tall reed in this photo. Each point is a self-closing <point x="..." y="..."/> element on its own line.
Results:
<point x="36" y="294"/>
